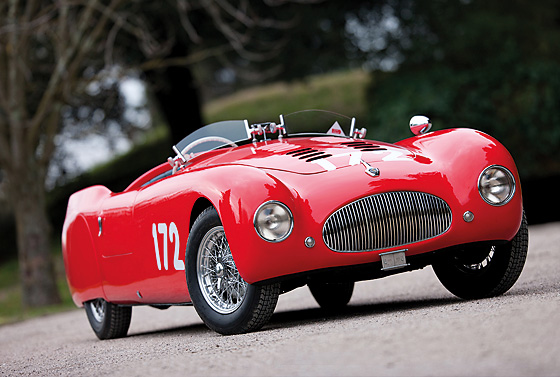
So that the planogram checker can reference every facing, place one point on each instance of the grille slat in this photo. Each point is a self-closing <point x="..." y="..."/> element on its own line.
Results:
<point x="386" y="220"/>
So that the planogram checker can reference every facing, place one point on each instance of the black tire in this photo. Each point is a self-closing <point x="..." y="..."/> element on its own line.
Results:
<point x="235" y="307"/>
<point x="107" y="320"/>
<point x="332" y="296"/>
<point x="479" y="273"/>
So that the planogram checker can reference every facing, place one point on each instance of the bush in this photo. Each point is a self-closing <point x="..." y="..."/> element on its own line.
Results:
<point x="517" y="104"/>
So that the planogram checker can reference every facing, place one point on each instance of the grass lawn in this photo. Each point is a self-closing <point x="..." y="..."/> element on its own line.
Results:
<point x="341" y="92"/>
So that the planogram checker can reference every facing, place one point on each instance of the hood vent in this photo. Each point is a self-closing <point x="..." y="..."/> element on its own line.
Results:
<point x="311" y="154"/>
<point x="364" y="146"/>
<point x="308" y="154"/>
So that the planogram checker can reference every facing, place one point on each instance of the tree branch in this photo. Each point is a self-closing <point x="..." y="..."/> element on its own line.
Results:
<point x="27" y="24"/>
<point x="60" y="70"/>
<point x="182" y="5"/>
<point x="110" y="42"/>
<point x="186" y="60"/>
<point x="62" y="30"/>
<point x="87" y="45"/>
<point x="240" y="14"/>
<point x="237" y="40"/>
<point x="51" y="128"/>
<point x="236" y="13"/>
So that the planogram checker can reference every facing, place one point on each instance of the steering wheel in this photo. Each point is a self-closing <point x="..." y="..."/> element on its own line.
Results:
<point x="206" y="139"/>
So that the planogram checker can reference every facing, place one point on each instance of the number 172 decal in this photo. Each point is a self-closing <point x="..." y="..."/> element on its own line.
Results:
<point x="170" y="235"/>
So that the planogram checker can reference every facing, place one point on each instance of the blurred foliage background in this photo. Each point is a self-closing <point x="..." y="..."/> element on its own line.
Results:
<point x="493" y="66"/>
<point x="488" y="65"/>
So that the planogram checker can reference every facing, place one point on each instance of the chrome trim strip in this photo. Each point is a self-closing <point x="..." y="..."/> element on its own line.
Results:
<point x="100" y="223"/>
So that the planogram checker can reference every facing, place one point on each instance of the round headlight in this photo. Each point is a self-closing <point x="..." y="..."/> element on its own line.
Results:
<point x="496" y="185"/>
<point x="273" y="221"/>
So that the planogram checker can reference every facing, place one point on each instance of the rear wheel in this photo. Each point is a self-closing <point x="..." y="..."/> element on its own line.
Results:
<point x="332" y="296"/>
<point x="485" y="272"/>
<point x="107" y="320"/>
<point x="224" y="301"/>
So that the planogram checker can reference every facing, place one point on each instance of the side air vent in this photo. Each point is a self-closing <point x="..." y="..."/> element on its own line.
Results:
<point x="364" y="146"/>
<point x="308" y="154"/>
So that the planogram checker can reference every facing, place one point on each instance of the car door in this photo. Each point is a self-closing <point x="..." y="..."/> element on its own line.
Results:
<point x="161" y="219"/>
<point x="116" y="246"/>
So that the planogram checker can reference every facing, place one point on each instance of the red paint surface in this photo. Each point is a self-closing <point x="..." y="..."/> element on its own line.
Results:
<point x="120" y="264"/>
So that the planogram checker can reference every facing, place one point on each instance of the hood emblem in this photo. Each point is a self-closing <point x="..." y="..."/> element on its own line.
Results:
<point x="370" y="170"/>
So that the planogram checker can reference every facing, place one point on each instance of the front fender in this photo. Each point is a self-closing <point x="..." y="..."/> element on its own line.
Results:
<point x="461" y="155"/>
<point x="236" y="192"/>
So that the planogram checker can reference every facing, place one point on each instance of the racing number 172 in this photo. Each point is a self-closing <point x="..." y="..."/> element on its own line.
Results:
<point x="172" y="233"/>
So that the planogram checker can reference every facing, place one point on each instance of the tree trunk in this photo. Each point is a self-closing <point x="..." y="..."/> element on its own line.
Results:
<point x="36" y="267"/>
<point x="177" y="95"/>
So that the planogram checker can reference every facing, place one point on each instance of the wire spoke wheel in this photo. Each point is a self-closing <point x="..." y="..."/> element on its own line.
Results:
<point x="225" y="302"/>
<point x="473" y="267"/>
<point x="221" y="285"/>
<point x="107" y="320"/>
<point x="485" y="271"/>
<point x="98" y="308"/>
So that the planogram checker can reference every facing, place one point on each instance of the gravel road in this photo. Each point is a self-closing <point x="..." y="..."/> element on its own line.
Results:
<point x="407" y="324"/>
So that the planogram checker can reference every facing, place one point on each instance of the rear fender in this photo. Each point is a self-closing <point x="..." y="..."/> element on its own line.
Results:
<point x="78" y="250"/>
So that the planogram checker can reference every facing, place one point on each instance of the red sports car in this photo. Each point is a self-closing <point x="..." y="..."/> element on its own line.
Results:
<point x="243" y="213"/>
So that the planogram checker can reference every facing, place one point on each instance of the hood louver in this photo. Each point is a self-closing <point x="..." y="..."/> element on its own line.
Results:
<point x="311" y="154"/>
<point x="308" y="154"/>
<point x="364" y="146"/>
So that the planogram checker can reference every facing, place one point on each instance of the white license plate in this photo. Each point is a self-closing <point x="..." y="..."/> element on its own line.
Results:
<point x="393" y="260"/>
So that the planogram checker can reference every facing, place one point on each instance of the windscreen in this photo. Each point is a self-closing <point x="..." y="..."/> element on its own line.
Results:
<point x="214" y="136"/>
<point x="318" y="122"/>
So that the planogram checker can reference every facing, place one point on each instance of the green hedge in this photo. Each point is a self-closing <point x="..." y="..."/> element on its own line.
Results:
<point x="517" y="104"/>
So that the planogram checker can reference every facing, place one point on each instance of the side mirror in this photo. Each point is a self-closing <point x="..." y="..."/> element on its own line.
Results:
<point x="420" y="125"/>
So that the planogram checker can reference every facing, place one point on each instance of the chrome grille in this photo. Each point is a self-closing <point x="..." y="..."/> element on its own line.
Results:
<point x="386" y="220"/>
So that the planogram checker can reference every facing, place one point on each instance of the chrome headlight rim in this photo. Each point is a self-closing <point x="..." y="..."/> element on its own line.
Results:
<point x="511" y="179"/>
<point x="290" y="215"/>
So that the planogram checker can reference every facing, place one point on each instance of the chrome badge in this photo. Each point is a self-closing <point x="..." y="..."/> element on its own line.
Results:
<point x="370" y="170"/>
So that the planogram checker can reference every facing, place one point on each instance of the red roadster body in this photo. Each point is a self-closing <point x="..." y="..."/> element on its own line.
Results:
<point x="245" y="212"/>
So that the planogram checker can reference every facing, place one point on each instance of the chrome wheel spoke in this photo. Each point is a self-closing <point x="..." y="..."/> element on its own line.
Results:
<point x="218" y="277"/>
<point x="98" y="309"/>
<point x="484" y="263"/>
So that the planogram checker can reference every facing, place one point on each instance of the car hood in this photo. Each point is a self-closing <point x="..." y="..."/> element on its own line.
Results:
<point x="311" y="155"/>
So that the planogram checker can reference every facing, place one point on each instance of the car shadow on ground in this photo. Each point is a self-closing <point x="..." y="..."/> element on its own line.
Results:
<point x="310" y="316"/>
<point x="193" y="329"/>
<point x="295" y="318"/>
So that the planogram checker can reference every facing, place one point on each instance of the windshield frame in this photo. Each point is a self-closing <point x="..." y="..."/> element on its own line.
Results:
<point x="348" y="131"/>
<point x="239" y="131"/>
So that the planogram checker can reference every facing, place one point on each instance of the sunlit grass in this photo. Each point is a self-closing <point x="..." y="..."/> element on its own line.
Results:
<point x="342" y="92"/>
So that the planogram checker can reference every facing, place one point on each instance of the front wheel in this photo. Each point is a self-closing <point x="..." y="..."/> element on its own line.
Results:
<point x="107" y="320"/>
<point x="485" y="272"/>
<point x="224" y="301"/>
